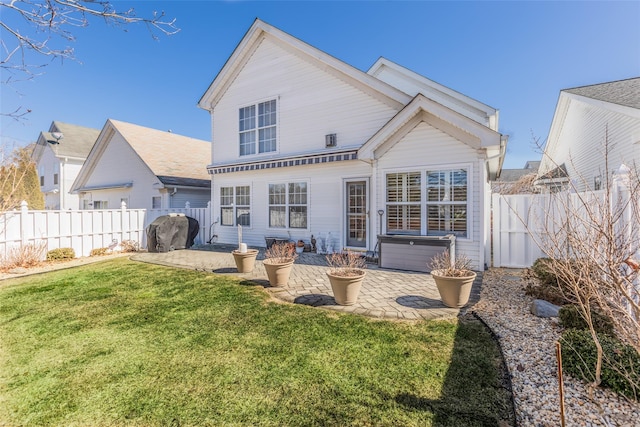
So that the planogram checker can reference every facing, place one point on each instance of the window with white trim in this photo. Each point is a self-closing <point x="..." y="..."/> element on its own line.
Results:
<point x="404" y="210"/>
<point x="41" y="173"/>
<point x="447" y="202"/>
<point x="437" y="208"/>
<point x="100" y="204"/>
<point x="288" y="206"/>
<point x="235" y="206"/>
<point x="257" y="126"/>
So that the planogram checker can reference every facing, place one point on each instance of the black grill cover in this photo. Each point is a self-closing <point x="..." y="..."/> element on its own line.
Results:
<point x="169" y="232"/>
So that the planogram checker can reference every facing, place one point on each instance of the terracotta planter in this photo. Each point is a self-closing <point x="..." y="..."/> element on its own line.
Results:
<point x="245" y="261"/>
<point x="346" y="288"/>
<point x="278" y="273"/>
<point x="454" y="291"/>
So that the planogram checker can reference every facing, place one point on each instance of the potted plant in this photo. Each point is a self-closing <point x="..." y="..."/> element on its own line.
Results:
<point x="346" y="273"/>
<point x="454" y="278"/>
<point x="278" y="262"/>
<point x="300" y="247"/>
<point x="245" y="258"/>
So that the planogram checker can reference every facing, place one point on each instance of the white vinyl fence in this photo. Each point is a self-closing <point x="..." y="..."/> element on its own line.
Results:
<point x="85" y="230"/>
<point x="522" y="221"/>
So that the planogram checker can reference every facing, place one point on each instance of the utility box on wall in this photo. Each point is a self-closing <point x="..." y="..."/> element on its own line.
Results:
<point x="413" y="253"/>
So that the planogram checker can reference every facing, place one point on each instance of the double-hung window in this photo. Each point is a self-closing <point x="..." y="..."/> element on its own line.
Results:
<point x="258" y="128"/>
<point x="235" y="206"/>
<point x="431" y="202"/>
<point x="288" y="205"/>
<point x="447" y="202"/>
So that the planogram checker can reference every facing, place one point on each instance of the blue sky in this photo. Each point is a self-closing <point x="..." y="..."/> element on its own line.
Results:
<point x="513" y="56"/>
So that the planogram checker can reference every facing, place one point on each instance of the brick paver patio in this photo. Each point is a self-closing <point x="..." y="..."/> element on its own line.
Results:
<point x="389" y="294"/>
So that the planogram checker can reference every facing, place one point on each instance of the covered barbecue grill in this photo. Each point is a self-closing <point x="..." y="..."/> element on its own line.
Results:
<point x="170" y="232"/>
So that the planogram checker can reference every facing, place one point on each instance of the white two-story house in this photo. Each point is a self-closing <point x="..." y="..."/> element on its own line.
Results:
<point x="59" y="155"/>
<point x="305" y="144"/>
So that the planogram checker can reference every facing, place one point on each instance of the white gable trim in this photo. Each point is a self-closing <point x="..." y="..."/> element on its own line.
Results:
<point x="106" y="136"/>
<point x="438" y="92"/>
<point x="424" y="109"/>
<point x="260" y="30"/>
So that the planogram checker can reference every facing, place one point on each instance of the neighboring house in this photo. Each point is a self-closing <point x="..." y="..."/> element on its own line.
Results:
<point x="305" y="144"/>
<point x="517" y="181"/>
<point x="591" y="124"/>
<point x="145" y="168"/>
<point x="59" y="155"/>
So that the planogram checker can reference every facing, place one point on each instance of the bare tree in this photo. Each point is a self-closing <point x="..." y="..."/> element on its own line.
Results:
<point x="592" y="240"/>
<point x="37" y="29"/>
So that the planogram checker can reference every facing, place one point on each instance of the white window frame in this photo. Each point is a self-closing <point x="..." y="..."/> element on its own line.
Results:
<point x="235" y="206"/>
<point x="56" y="173"/>
<point x="256" y="129"/>
<point x="153" y="202"/>
<point x="99" y="203"/>
<point x="444" y="203"/>
<point x="288" y="204"/>
<point x="468" y="237"/>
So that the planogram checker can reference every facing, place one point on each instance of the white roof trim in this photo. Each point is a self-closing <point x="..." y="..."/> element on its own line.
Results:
<point x="477" y="135"/>
<point x="260" y="30"/>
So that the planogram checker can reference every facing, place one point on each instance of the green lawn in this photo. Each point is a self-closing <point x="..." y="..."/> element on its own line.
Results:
<point x="125" y="343"/>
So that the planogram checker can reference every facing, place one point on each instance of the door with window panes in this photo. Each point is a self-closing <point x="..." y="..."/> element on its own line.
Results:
<point x="356" y="206"/>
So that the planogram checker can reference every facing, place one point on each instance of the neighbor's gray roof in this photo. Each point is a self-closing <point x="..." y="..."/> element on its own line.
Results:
<point x="622" y="92"/>
<point x="77" y="141"/>
<point x="173" y="158"/>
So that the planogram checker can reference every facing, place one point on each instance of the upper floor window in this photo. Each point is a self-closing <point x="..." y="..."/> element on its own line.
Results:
<point x="56" y="173"/>
<point x="258" y="128"/>
<point x="235" y="205"/>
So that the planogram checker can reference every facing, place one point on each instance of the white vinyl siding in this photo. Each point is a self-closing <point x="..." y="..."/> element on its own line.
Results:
<point x="311" y="103"/>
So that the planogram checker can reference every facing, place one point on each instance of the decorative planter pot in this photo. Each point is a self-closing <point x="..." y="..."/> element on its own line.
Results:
<point x="454" y="291"/>
<point x="299" y="249"/>
<point x="346" y="288"/>
<point x="278" y="273"/>
<point x="245" y="261"/>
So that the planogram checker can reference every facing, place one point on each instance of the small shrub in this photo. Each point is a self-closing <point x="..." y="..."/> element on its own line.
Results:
<point x="281" y="253"/>
<point x="460" y="267"/>
<point x="130" y="246"/>
<point x="620" y="366"/>
<point x="98" y="251"/>
<point x="571" y="317"/>
<point x="545" y="284"/>
<point x="24" y="256"/>
<point x="61" y="254"/>
<point x="347" y="264"/>
<point x="541" y="269"/>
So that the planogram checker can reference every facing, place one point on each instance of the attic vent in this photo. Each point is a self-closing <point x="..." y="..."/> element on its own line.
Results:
<point x="330" y="140"/>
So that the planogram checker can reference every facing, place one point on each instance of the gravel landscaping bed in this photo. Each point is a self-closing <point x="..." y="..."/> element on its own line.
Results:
<point x="528" y="344"/>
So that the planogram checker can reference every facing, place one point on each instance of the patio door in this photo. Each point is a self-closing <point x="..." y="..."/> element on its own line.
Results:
<point x="356" y="215"/>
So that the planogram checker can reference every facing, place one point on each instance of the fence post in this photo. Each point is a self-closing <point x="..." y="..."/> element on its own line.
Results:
<point x="24" y="215"/>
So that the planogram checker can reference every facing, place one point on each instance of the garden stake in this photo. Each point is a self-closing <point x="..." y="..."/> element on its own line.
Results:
<point x="560" y="382"/>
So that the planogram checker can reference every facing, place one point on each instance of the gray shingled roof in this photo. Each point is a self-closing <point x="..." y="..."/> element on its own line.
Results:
<point x="77" y="140"/>
<point x="173" y="158"/>
<point x="621" y="92"/>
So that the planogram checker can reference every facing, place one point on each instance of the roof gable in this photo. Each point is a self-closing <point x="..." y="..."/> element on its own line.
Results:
<point x="413" y="83"/>
<point x="173" y="158"/>
<point x="75" y="143"/>
<point x="423" y="109"/>
<point x="260" y="30"/>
